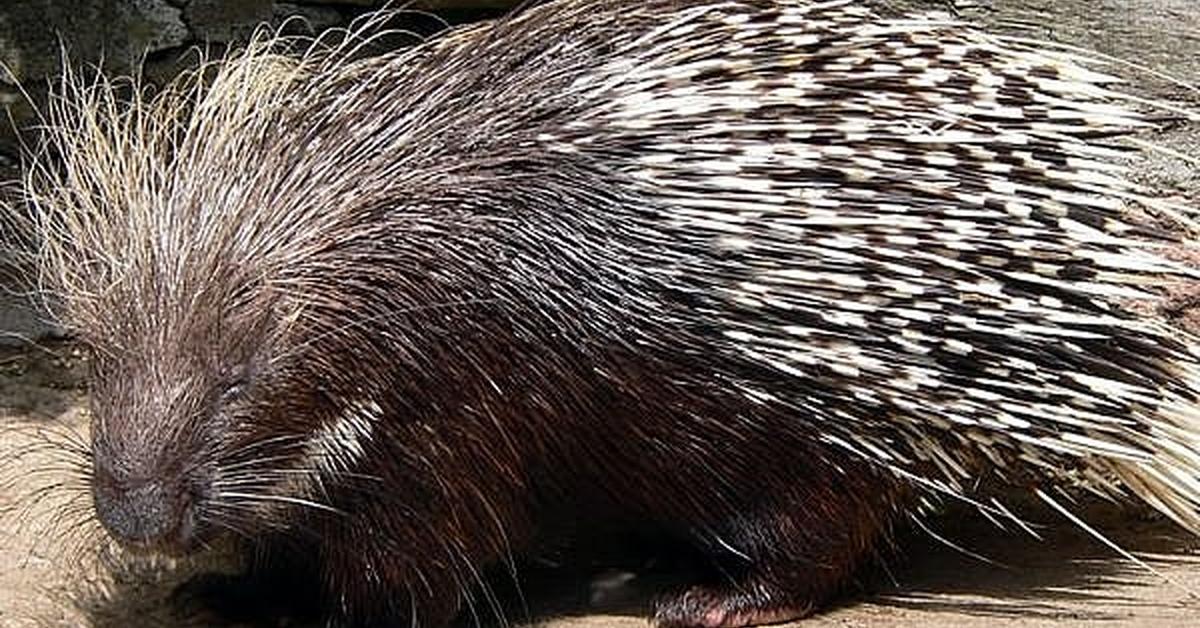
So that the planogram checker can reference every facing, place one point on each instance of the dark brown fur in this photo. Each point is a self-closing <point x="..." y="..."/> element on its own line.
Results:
<point x="572" y="450"/>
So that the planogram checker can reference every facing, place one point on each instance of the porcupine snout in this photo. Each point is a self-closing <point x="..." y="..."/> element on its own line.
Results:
<point x="146" y="514"/>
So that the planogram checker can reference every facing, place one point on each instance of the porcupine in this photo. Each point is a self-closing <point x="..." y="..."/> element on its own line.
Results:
<point x="753" y="273"/>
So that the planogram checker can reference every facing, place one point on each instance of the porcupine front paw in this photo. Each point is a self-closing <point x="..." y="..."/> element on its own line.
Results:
<point x="728" y="607"/>
<point x="790" y="551"/>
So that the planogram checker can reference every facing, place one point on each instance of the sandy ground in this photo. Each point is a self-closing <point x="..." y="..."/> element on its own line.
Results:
<point x="52" y="566"/>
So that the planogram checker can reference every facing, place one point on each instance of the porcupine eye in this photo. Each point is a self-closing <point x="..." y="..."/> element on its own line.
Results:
<point x="235" y="383"/>
<point x="233" y="390"/>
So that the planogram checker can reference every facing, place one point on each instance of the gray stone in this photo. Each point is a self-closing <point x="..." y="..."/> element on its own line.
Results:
<point x="13" y="106"/>
<point x="309" y="20"/>
<point x="353" y="3"/>
<point x="422" y="4"/>
<point x="22" y="323"/>
<point x="227" y="20"/>
<point x="161" y="26"/>
<point x="119" y="32"/>
<point x="466" y="6"/>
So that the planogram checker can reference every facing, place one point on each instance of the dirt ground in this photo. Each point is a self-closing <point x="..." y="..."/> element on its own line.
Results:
<point x="52" y="559"/>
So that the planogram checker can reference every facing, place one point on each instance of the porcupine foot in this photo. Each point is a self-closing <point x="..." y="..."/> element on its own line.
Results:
<point x="749" y="604"/>
<point x="769" y="593"/>
<point x="787" y="555"/>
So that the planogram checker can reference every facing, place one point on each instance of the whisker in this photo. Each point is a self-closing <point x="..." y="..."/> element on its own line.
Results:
<point x="298" y="501"/>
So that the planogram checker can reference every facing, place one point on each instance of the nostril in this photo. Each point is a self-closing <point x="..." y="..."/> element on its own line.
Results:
<point x="146" y="515"/>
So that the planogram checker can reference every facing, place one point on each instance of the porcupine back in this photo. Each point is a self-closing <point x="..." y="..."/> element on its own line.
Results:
<point x="906" y="232"/>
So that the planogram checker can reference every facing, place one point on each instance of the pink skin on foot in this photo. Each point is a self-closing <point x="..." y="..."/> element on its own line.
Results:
<point x="719" y="618"/>
<point x="703" y="607"/>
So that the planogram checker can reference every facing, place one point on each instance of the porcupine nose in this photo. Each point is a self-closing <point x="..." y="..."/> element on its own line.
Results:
<point x="148" y="516"/>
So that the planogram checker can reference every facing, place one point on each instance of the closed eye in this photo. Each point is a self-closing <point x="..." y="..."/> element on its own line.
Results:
<point x="233" y="391"/>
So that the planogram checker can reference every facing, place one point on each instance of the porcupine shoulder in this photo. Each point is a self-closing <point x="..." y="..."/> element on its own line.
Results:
<point x="751" y="272"/>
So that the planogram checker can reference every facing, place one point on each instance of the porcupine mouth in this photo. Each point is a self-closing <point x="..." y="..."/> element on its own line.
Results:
<point x="152" y="518"/>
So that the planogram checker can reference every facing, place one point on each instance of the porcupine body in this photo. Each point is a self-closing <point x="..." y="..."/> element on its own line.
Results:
<point x="751" y="273"/>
